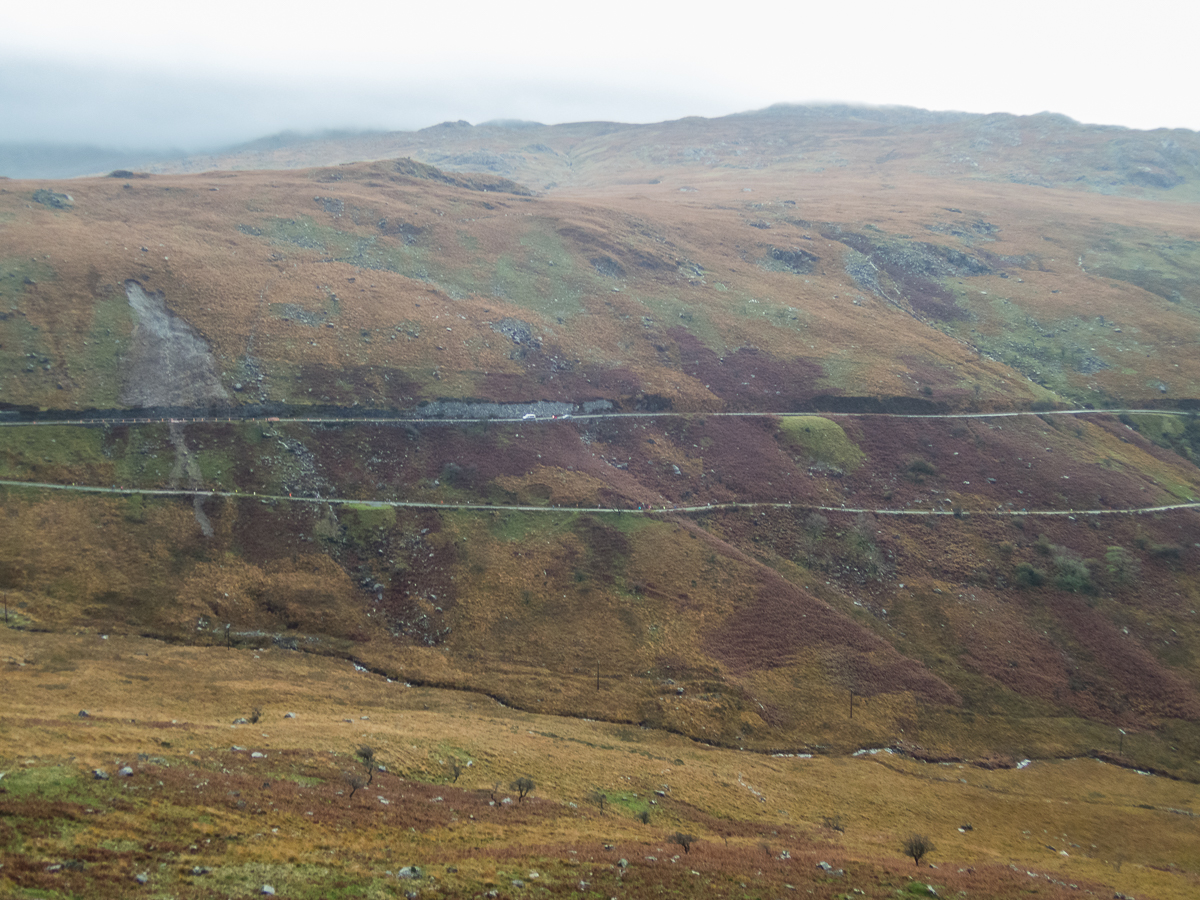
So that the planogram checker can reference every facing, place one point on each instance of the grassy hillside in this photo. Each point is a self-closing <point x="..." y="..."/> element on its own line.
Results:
<point x="644" y="452"/>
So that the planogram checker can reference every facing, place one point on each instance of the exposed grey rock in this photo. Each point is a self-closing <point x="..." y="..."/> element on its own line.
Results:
<point x="125" y="772"/>
<point x="515" y="330"/>
<point x="100" y="775"/>
<point x="168" y="364"/>
<point x="50" y="198"/>
<point x="794" y="259"/>
<point x="332" y="205"/>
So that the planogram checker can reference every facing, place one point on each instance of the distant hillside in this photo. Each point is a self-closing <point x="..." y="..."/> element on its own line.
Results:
<point x="705" y="340"/>
<point x="1046" y="150"/>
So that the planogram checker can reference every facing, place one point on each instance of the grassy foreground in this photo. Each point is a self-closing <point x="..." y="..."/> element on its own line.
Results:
<point x="213" y="809"/>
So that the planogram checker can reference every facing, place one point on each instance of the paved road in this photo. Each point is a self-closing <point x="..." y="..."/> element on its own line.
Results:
<point x="647" y="511"/>
<point x="399" y="419"/>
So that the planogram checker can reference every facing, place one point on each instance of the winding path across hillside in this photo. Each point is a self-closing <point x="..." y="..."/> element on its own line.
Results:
<point x="608" y="510"/>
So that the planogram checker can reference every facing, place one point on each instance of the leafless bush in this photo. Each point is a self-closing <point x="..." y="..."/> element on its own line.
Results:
<point x="916" y="846"/>
<point x="356" y="781"/>
<point x="683" y="840"/>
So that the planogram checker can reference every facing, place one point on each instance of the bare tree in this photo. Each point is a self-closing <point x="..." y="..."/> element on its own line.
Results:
<point x="599" y="798"/>
<point x="916" y="846"/>
<point x="643" y="817"/>
<point x="356" y="781"/>
<point x="683" y="840"/>
<point x="523" y="786"/>
<point x="455" y="767"/>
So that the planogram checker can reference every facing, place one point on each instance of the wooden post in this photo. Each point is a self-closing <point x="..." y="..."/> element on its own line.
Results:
<point x="852" y="703"/>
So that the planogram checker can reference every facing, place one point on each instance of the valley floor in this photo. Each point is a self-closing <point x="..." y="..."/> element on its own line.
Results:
<point x="213" y="809"/>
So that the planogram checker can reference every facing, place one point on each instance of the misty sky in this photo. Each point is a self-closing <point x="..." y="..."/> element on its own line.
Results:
<point x="135" y="73"/>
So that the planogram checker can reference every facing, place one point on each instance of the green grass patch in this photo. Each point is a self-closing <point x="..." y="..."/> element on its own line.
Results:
<point x="51" y="452"/>
<point x="519" y="525"/>
<point x="44" y="783"/>
<point x="107" y="344"/>
<point x="27" y="352"/>
<point x="1180" y="434"/>
<point x="15" y="274"/>
<point x="216" y="468"/>
<point x="821" y="440"/>
<point x="671" y="312"/>
<point x="141" y="456"/>
<point x="366" y="524"/>
<point x="542" y="276"/>
<point x="628" y="803"/>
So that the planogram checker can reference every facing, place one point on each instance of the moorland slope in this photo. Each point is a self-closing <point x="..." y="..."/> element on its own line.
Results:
<point x="803" y="431"/>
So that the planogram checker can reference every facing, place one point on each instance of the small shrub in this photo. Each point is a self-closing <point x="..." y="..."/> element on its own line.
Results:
<point x="1121" y="565"/>
<point x="919" y="469"/>
<point x="683" y="840"/>
<point x="1028" y="576"/>
<point x="643" y="817"/>
<point x="523" y="786"/>
<point x="916" y="846"/>
<point x="1072" y="573"/>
